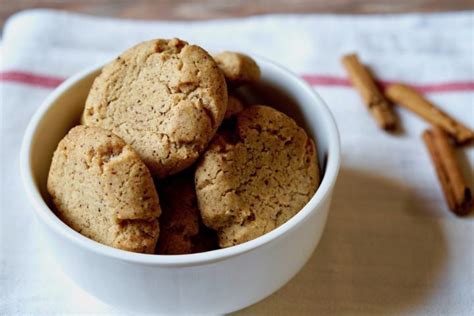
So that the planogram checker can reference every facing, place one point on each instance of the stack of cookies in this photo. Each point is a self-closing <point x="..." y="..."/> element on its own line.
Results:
<point x="168" y="160"/>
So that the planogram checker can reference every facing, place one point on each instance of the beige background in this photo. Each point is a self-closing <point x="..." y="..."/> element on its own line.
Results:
<point x="390" y="245"/>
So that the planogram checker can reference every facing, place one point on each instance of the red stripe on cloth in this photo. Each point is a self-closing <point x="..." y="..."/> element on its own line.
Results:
<point x="46" y="81"/>
<point x="452" y="86"/>
<point x="317" y="80"/>
<point x="31" y="79"/>
<point x="457" y="86"/>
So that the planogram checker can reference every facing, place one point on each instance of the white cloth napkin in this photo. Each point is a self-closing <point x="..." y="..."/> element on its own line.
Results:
<point x="390" y="245"/>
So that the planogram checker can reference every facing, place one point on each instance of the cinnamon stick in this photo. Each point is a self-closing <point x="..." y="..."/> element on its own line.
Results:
<point x="457" y="193"/>
<point x="412" y="100"/>
<point x="370" y="93"/>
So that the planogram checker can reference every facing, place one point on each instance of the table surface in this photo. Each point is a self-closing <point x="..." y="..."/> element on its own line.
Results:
<point x="390" y="245"/>
<point x="207" y="9"/>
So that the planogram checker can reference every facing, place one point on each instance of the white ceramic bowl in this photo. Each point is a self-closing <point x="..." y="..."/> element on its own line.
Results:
<point x="216" y="282"/>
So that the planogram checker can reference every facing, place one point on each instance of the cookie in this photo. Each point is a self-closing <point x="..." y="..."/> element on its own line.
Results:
<point x="101" y="188"/>
<point x="165" y="98"/>
<point x="255" y="175"/>
<point x="237" y="68"/>
<point x="234" y="107"/>
<point x="181" y="228"/>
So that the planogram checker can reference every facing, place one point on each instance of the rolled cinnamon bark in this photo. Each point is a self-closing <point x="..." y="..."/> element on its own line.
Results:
<point x="413" y="101"/>
<point x="457" y="193"/>
<point x="370" y="93"/>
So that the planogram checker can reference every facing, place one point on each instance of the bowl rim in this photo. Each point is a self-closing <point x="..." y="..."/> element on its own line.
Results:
<point x="47" y="215"/>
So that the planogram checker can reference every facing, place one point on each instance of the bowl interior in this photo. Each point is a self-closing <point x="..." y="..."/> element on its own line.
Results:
<point x="278" y="88"/>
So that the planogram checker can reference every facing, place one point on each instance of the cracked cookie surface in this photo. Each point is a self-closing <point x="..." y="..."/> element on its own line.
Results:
<point x="181" y="227"/>
<point x="255" y="175"/>
<point x="102" y="189"/>
<point x="165" y="98"/>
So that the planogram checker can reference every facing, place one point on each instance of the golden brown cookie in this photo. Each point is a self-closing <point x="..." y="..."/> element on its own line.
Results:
<point x="165" y="98"/>
<point x="103" y="190"/>
<point x="256" y="176"/>
<point x="238" y="68"/>
<point x="181" y="228"/>
<point x="234" y="107"/>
